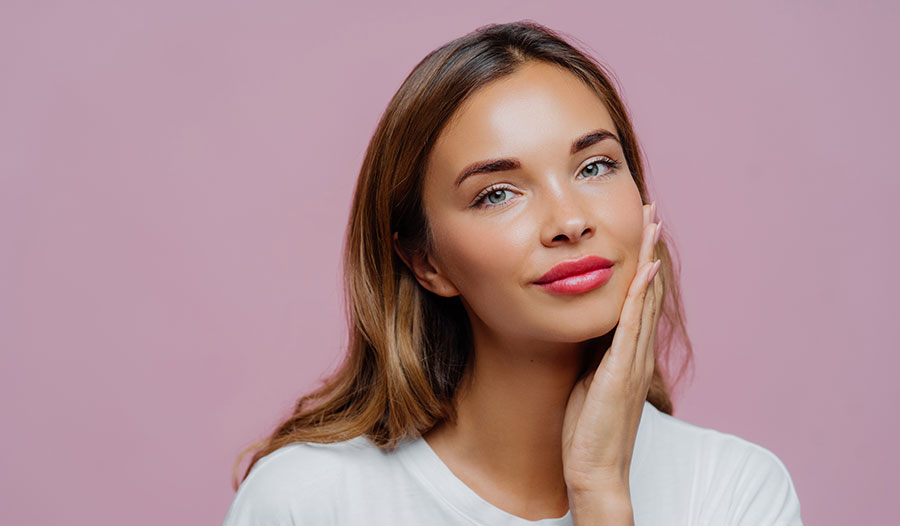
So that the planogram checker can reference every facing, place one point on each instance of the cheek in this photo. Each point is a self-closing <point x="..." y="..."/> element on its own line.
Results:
<point x="478" y="258"/>
<point x="631" y="222"/>
<point x="620" y="221"/>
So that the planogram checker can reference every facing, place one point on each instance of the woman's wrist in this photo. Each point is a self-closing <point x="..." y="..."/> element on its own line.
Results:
<point x="611" y="507"/>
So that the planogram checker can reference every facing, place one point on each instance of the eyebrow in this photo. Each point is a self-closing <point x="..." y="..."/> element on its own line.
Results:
<point x="499" y="165"/>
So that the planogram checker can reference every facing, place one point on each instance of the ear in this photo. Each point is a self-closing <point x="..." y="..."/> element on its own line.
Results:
<point x="431" y="278"/>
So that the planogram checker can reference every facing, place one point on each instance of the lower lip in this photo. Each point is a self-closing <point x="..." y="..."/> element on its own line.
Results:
<point x="578" y="283"/>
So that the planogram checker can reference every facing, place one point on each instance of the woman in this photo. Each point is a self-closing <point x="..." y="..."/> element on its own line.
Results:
<point x="501" y="268"/>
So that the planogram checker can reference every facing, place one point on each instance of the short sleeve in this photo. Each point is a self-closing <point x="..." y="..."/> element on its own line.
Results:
<point x="764" y="492"/>
<point x="281" y="490"/>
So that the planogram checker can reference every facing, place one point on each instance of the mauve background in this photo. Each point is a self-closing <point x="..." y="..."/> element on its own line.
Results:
<point x="176" y="178"/>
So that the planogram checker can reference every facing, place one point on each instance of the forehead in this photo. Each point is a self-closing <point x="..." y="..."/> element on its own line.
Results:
<point x="539" y="108"/>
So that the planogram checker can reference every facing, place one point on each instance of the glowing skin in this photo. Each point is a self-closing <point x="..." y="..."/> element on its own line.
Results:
<point x="556" y="206"/>
<point x="491" y="255"/>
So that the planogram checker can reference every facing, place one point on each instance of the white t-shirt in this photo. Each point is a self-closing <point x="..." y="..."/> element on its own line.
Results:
<point x="680" y="474"/>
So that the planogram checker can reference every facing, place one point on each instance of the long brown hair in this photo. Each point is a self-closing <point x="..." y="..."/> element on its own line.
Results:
<point x="407" y="347"/>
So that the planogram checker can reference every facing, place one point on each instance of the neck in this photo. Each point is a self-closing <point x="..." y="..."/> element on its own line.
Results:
<point x="506" y="440"/>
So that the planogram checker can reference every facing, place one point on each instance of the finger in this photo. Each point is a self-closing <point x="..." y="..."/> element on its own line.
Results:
<point x="650" y="358"/>
<point x="643" y="343"/>
<point x="632" y="312"/>
<point x="659" y="290"/>
<point x="617" y="362"/>
<point x="648" y="314"/>
<point x="647" y="251"/>
<point x="658" y="284"/>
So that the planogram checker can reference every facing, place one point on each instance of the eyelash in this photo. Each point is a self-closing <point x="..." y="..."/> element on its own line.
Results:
<point x="612" y="164"/>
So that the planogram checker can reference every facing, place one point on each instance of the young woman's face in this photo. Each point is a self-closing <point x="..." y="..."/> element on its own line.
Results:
<point x="495" y="233"/>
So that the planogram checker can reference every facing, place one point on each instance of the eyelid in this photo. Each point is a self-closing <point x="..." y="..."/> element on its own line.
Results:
<point x="487" y="191"/>
<point x="594" y="159"/>
<point x="605" y="160"/>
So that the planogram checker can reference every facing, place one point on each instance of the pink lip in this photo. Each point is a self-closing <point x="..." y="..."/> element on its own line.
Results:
<point x="576" y="276"/>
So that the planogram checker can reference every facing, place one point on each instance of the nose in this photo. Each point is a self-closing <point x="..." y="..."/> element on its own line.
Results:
<point x="567" y="220"/>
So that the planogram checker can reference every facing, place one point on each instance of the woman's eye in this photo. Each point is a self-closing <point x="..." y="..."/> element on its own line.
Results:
<point x="493" y="197"/>
<point x="496" y="196"/>
<point x="594" y="169"/>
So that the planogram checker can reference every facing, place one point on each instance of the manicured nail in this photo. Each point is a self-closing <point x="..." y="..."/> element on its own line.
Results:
<point x="653" y="270"/>
<point x="653" y="211"/>
<point x="658" y="232"/>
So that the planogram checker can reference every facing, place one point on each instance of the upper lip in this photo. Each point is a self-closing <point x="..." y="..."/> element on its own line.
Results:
<point x="573" y="267"/>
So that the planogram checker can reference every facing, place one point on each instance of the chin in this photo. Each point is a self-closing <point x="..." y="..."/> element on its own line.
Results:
<point x="575" y="333"/>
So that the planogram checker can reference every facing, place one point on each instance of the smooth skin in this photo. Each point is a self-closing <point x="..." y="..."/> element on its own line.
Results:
<point x="528" y="437"/>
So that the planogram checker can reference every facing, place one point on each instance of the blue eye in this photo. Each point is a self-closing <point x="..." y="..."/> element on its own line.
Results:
<point x="605" y="161"/>
<point x="490" y="197"/>
<point x="493" y="196"/>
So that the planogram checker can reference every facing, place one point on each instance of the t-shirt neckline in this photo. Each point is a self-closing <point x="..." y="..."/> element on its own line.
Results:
<point x="418" y="456"/>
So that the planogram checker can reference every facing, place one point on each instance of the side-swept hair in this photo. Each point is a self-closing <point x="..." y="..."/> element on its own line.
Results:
<point x="408" y="348"/>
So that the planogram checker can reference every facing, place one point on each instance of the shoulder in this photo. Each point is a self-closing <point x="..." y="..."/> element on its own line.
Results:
<point x="745" y="478"/>
<point x="299" y="480"/>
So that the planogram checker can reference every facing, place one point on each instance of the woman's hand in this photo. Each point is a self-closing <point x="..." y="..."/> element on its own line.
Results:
<point x="604" y="409"/>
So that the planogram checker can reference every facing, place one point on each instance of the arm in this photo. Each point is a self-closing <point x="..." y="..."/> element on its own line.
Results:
<point x="607" y="508"/>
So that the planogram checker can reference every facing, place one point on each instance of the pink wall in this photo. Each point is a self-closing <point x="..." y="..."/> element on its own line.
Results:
<point x="176" y="177"/>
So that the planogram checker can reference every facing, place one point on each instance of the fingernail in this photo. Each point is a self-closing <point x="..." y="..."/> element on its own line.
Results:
<point x="653" y="211"/>
<point x="653" y="270"/>
<point x="658" y="232"/>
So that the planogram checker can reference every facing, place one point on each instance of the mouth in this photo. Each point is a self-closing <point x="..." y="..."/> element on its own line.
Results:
<point x="577" y="276"/>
